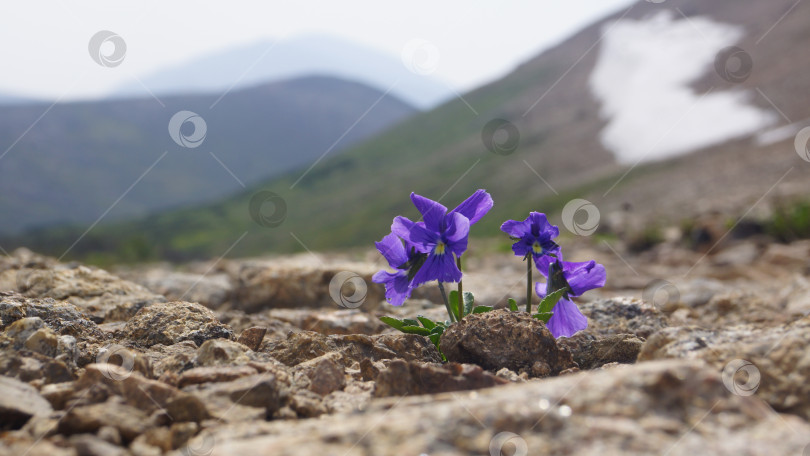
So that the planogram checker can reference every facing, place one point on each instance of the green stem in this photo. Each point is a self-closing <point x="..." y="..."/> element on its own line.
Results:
<point x="446" y="302"/>
<point x="460" y="293"/>
<point x="529" y="283"/>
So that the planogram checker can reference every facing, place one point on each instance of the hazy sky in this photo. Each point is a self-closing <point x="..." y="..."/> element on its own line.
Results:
<point x="45" y="43"/>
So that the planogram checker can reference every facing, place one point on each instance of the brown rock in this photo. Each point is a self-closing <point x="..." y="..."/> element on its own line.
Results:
<point x="90" y="445"/>
<point x="412" y="377"/>
<point x="142" y="393"/>
<point x="219" y="352"/>
<point x="590" y="352"/>
<point x="324" y="374"/>
<point x="771" y="362"/>
<point x="502" y="338"/>
<point x="306" y="345"/>
<point x="677" y="407"/>
<point x="252" y="337"/>
<point x="623" y="316"/>
<point x="18" y="403"/>
<point x="214" y="374"/>
<point x="187" y="408"/>
<point x="173" y="322"/>
<point x="129" y="421"/>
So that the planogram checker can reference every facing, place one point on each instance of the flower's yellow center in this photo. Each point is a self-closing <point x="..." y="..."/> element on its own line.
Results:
<point x="538" y="249"/>
<point x="439" y="250"/>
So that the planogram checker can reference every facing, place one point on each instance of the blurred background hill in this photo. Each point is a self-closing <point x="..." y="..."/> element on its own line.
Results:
<point x="659" y="114"/>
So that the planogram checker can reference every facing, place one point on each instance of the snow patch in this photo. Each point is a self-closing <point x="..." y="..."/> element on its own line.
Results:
<point x="642" y="79"/>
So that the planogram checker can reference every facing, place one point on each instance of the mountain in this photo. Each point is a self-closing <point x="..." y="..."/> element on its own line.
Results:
<point x="269" y="61"/>
<point x="7" y="100"/>
<point x="538" y="138"/>
<point x="78" y="159"/>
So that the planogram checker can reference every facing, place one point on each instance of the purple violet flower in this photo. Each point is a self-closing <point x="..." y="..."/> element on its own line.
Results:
<point x="397" y="284"/>
<point x="534" y="236"/>
<point x="442" y="235"/>
<point x="567" y="319"/>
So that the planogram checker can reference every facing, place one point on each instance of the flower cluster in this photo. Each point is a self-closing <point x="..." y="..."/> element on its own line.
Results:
<point x="431" y="249"/>
<point x="534" y="238"/>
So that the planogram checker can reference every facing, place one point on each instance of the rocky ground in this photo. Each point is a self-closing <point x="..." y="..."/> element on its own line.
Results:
<point x="687" y="353"/>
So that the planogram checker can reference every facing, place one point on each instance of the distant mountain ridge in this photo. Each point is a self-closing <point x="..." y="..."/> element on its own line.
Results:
<point x="550" y="155"/>
<point x="79" y="158"/>
<point x="269" y="61"/>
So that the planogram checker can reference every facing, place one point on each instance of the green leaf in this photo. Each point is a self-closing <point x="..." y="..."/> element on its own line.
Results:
<point x="453" y="297"/>
<point x="437" y="330"/>
<point x="410" y="322"/>
<point x="548" y="303"/>
<point x="415" y="330"/>
<point x="545" y="317"/>
<point x="393" y="322"/>
<point x="469" y="300"/>
<point x="513" y="305"/>
<point x="481" y="309"/>
<point x="426" y="322"/>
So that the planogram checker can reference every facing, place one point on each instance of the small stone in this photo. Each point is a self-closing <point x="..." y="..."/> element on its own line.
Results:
<point x="252" y="337"/>
<point x="502" y="338"/>
<point x="91" y="445"/>
<point x="57" y="394"/>
<point x="218" y="352"/>
<point x="43" y="341"/>
<point x="325" y="373"/>
<point x="142" y="393"/>
<point x="22" y="329"/>
<point x="128" y="420"/>
<point x="213" y="374"/>
<point x="187" y="408"/>
<point x="173" y="322"/>
<point x="19" y="402"/>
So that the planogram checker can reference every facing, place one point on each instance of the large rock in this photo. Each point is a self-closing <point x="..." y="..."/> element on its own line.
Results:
<point x="623" y="315"/>
<point x="771" y="362"/>
<point x="679" y="408"/>
<point x="19" y="402"/>
<point x="306" y="345"/>
<point x="505" y="339"/>
<point x="96" y="292"/>
<point x="173" y="322"/>
<point x="402" y="378"/>
<point x="296" y="282"/>
<point x="211" y="290"/>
